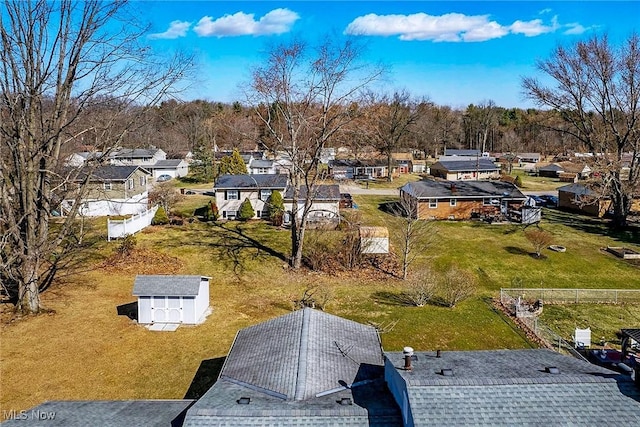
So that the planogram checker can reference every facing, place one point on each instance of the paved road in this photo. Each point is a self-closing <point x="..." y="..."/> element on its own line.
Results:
<point x="355" y="189"/>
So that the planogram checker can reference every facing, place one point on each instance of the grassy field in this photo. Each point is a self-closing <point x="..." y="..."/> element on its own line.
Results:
<point x="83" y="349"/>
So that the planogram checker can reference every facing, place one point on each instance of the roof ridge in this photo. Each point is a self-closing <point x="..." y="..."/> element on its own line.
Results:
<point x="301" y="378"/>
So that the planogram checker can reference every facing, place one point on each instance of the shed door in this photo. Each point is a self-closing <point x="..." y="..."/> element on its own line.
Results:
<point x="166" y="310"/>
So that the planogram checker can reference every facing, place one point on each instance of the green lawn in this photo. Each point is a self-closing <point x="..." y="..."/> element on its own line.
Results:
<point x="84" y="350"/>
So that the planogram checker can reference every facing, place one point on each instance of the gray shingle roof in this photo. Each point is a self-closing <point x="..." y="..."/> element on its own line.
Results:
<point x="266" y="181"/>
<point x="166" y="285"/>
<point x="110" y="173"/>
<point x="135" y="153"/>
<point x="320" y="193"/>
<point x="481" y="164"/>
<point x="460" y="152"/>
<point x="512" y="387"/>
<point x="294" y="368"/>
<point x="261" y="163"/>
<point x="577" y="189"/>
<point x="169" y="163"/>
<point x="462" y="189"/>
<point x="113" y="413"/>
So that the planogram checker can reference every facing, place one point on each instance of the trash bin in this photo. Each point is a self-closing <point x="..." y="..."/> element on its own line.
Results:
<point x="182" y="191"/>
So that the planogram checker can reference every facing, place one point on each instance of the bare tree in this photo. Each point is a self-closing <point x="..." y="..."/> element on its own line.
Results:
<point x="597" y="95"/>
<point x="60" y="60"/>
<point x="416" y="235"/>
<point x="456" y="285"/>
<point x="165" y="195"/>
<point x="391" y="119"/>
<point x="539" y="238"/>
<point x="304" y="99"/>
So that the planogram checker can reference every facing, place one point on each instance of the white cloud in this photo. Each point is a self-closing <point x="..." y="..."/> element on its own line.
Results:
<point x="533" y="28"/>
<point x="543" y="11"/>
<point x="176" y="29"/>
<point x="451" y="27"/>
<point x="277" y="21"/>
<point x="575" y="29"/>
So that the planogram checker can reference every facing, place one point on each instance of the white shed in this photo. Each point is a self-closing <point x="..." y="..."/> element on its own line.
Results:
<point x="172" y="299"/>
<point x="374" y="240"/>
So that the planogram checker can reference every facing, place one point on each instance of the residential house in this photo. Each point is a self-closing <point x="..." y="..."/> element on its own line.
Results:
<point x="569" y="171"/>
<point x="462" y="200"/>
<point x="404" y="162"/>
<point x="462" y="153"/>
<point x="81" y="157"/>
<point x="175" y="168"/>
<point x="325" y="203"/>
<point x="419" y="166"/>
<point x="580" y="198"/>
<point x="459" y="170"/>
<point x="112" y="190"/>
<point x="172" y="299"/>
<point x="137" y="156"/>
<point x="361" y="169"/>
<point x="260" y="167"/>
<point x="232" y="190"/>
<point x="311" y="368"/>
<point x="529" y="157"/>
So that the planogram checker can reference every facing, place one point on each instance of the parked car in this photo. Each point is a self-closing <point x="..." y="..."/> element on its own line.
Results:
<point x="550" y="201"/>
<point x="163" y="178"/>
<point x="346" y="201"/>
<point x="540" y="202"/>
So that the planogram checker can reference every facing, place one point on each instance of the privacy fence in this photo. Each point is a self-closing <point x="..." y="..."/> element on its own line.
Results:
<point x="118" y="228"/>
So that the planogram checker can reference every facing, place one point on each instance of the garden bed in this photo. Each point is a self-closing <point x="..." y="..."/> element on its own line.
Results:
<point x="624" y="253"/>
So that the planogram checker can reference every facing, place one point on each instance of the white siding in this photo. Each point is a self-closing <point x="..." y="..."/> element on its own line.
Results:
<point x="115" y="207"/>
<point x="144" y="309"/>
<point x="189" y="310"/>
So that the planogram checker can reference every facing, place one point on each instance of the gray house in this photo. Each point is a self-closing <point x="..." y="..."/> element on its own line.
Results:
<point x="172" y="299"/>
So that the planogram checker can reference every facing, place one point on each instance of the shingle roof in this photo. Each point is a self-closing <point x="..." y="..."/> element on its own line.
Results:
<point x="480" y="164"/>
<point x="169" y="163"/>
<point x="458" y="152"/>
<point x="512" y="387"/>
<point x="295" y="369"/>
<point x="551" y="167"/>
<point x="462" y="189"/>
<point x="261" y="163"/>
<point x="577" y="189"/>
<point x="166" y="285"/>
<point x="112" y="413"/>
<point x="110" y="173"/>
<point x="134" y="153"/>
<point x="321" y="192"/>
<point x="266" y="181"/>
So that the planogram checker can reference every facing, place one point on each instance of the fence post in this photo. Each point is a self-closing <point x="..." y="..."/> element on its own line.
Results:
<point x="616" y="293"/>
<point x="576" y="296"/>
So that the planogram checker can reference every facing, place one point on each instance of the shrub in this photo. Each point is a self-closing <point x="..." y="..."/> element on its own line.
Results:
<point x="420" y="288"/>
<point x="212" y="211"/>
<point x="518" y="181"/>
<point x="246" y="211"/>
<point x="455" y="286"/>
<point x="539" y="239"/>
<point x="127" y="245"/>
<point x="276" y="208"/>
<point x="160" y="218"/>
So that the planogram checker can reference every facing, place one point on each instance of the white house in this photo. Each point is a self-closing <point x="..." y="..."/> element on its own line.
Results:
<point x="232" y="190"/>
<point x="172" y="299"/>
<point x="112" y="190"/>
<point x="325" y="202"/>
<point x="175" y="168"/>
<point x="260" y="167"/>
<point x="137" y="156"/>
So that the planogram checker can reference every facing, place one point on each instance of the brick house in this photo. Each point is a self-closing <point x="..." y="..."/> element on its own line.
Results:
<point x="462" y="200"/>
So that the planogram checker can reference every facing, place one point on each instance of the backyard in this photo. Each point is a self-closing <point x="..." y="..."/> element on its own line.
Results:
<point x="82" y="348"/>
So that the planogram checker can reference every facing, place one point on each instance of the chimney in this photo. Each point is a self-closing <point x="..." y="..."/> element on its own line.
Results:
<point x="408" y="354"/>
<point x="453" y="188"/>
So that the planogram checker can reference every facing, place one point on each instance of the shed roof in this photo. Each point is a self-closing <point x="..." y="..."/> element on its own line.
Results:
<point x="462" y="189"/>
<point x="480" y="164"/>
<point x="265" y="181"/>
<point x="167" y="285"/>
<point x="369" y="231"/>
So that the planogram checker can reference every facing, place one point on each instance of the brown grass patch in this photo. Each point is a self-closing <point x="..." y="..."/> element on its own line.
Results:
<point x="143" y="261"/>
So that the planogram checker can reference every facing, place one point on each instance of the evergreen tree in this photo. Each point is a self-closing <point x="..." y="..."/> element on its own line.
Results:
<point x="246" y="211"/>
<point x="276" y="208"/>
<point x="160" y="218"/>
<point x="232" y="165"/>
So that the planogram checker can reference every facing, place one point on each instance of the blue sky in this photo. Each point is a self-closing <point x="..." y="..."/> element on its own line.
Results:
<point x="455" y="53"/>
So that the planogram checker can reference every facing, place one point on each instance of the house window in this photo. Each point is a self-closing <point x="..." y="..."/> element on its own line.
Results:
<point x="233" y="195"/>
<point x="258" y="214"/>
<point x="107" y="186"/>
<point x="143" y="180"/>
<point x="264" y="195"/>
<point x="130" y="184"/>
<point x="486" y="202"/>
<point x="433" y="203"/>
<point x="224" y="214"/>
<point x="452" y="202"/>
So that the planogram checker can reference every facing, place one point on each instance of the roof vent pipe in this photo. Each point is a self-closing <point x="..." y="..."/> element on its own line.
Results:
<point x="552" y="370"/>
<point x="438" y="353"/>
<point x="408" y="353"/>
<point x="447" y="372"/>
